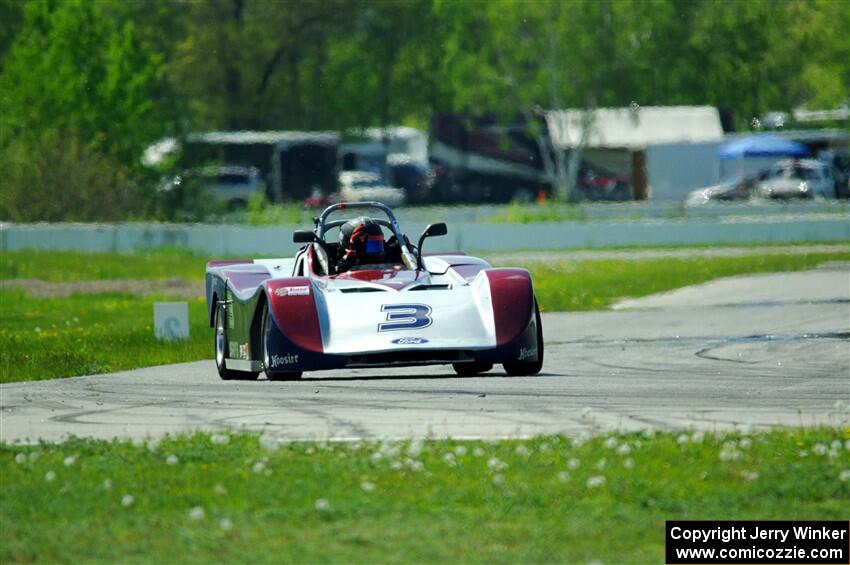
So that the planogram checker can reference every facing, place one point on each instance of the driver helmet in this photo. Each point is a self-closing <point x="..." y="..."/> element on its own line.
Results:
<point x="362" y="239"/>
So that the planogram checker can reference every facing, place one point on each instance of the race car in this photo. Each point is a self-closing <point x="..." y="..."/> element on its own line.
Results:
<point x="359" y="294"/>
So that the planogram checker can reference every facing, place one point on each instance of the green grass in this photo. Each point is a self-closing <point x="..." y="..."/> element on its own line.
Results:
<point x="89" y="334"/>
<point x="63" y="266"/>
<point x="239" y="499"/>
<point x="516" y="213"/>
<point x="44" y="338"/>
<point x="596" y="284"/>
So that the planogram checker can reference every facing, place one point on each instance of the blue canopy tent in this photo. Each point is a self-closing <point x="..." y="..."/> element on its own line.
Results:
<point x="760" y="145"/>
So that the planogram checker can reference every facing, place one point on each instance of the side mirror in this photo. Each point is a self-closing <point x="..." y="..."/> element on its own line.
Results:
<point x="431" y="231"/>
<point x="303" y="236"/>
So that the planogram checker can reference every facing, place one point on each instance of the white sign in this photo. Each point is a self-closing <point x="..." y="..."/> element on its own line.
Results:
<point x="171" y="320"/>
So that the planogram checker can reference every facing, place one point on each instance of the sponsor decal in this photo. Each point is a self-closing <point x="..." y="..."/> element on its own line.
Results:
<point x="405" y="317"/>
<point x="527" y="353"/>
<point x="233" y="348"/>
<point x="410" y="341"/>
<point x="288" y="359"/>
<point x="243" y="351"/>
<point x="292" y="291"/>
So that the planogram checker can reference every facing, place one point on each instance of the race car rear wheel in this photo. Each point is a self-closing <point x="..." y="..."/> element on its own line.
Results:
<point x="532" y="368"/>
<point x="221" y="351"/>
<point x="273" y="375"/>
<point x="471" y="369"/>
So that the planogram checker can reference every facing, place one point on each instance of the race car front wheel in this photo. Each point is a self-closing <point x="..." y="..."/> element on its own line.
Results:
<point x="221" y="351"/>
<point x="273" y="375"/>
<point x="532" y="368"/>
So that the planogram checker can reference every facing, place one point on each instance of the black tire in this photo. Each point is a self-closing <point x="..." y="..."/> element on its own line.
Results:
<point x="525" y="369"/>
<point x="220" y="344"/>
<point x="471" y="369"/>
<point x="273" y="375"/>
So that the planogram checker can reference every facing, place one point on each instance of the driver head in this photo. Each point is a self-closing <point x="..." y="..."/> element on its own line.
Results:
<point x="363" y="236"/>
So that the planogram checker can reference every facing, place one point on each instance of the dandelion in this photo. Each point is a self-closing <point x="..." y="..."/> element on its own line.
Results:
<point x="415" y="465"/>
<point x="107" y="484"/>
<point x="844" y="475"/>
<point x="70" y="460"/>
<point x="259" y="467"/>
<point x="521" y="450"/>
<point x="745" y="443"/>
<point x="33" y="456"/>
<point x="649" y="433"/>
<point x="37" y="330"/>
<point x="220" y="439"/>
<point x="127" y="500"/>
<point x="196" y="513"/>
<point x="449" y="458"/>
<point x="322" y="505"/>
<point x="596" y="481"/>
<point x="367" y="486"/>
<point x="629" y="463"/>
<point x="729" y="453"/>
<point x="544" y="447"/>
<point x="835" y="445"/>
<point x="846" y="445"/>
<point x="498" y="479"/>
<point x="219" y="489"/>
<point x="601" y="463"/>
<point x="495" y="464"/>
<point x="819" y="449"/>
<point x="573" y="463"/>
<point x="697" y="437"/>
<point x="396" y="465"/>
<point x="749" y="475"/>
<point x="682" y="439"/>
<point x="225" y="524"/>
<point x="415" y="447"/>
<point x="50" y="476"/>
<point x="137" y="442"/>
<point x="377" y="456"/>
<point x="153" y="445"/>
<point x="309" y="451"/>
<point x="563" y="476"/>
<point x="461" y="450"/>
<point x="268" y="442"/>
<point x="172" y="460"/>
<point x="803" y="453"/>
<point x="20" y="458"/>
<point x="624" y="449"/>
<point x="478" y="452"/>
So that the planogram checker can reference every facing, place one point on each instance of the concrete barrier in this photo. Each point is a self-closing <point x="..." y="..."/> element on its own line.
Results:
<point x="230" y="240"/>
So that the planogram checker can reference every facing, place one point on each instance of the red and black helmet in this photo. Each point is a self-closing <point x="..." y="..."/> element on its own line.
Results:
<point x="362" y="238"/>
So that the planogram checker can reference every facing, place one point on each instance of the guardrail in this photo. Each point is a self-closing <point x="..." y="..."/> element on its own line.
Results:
<point x="229" y="240"/>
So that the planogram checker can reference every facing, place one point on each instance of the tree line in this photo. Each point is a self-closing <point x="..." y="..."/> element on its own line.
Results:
<point x="86" y="85"/>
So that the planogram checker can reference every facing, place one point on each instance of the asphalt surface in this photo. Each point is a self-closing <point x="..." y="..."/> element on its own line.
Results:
<point x="744" y="352"/>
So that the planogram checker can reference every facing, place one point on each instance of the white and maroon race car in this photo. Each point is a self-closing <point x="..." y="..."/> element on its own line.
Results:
<point x="332" y="307"/>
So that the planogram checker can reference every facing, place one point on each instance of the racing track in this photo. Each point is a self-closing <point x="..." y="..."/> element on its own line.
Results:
<point x="749" y="351"/>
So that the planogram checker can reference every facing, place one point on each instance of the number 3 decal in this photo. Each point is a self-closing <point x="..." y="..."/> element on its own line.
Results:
<point x="405" y="317"/>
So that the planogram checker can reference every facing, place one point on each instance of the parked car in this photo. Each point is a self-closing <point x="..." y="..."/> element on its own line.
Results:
<point x="228" y="185"/>
<point x="415" y="178"/>
<point x="735" y="187"/>
<point x="798" y="178"/>
<point x="361" y="186"/>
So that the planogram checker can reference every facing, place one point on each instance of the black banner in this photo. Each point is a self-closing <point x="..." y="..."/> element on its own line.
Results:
<point x="744" y="542"/>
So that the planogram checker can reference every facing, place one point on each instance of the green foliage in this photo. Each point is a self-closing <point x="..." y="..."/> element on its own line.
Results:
<point x="51" y="176"/>
<point x="118" y="75"/>
<point x="240" y="497"/>
<point x="261" y="212"/>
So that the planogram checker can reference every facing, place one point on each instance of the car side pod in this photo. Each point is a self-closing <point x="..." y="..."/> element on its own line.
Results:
<point x="519" y="329"/>
<point x="291" y="334"/>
